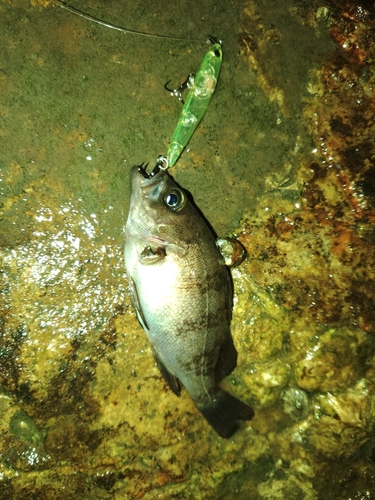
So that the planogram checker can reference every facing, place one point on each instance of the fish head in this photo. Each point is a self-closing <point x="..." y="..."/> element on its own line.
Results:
<point x="160" y="211"/>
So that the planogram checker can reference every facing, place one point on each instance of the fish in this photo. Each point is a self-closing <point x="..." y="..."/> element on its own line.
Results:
<point x="182" y="293"/>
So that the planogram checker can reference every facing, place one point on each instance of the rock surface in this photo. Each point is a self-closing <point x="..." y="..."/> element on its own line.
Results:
<point x="287" y="164"/>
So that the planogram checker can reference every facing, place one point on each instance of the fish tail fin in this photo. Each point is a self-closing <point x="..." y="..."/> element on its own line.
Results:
<point x="225" y="412"/>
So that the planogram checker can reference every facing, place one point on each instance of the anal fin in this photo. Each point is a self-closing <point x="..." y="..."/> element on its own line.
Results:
<point x="171" y="380"/>
<point x="227" y="361"/>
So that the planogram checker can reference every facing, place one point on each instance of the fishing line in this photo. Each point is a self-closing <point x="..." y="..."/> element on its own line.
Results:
<point x="96" y="20"/>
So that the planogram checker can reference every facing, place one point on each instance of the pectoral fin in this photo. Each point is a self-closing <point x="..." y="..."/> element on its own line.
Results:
<point x="137" y="305"/>
<point x="150" y="256"/>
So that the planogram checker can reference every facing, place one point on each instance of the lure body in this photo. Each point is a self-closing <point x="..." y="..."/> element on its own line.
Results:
<point x="197" y="101"/>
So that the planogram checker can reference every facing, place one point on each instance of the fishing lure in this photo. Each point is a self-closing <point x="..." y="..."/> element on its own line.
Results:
<point x="198" y="99"/>
<point x="201" y="86"/>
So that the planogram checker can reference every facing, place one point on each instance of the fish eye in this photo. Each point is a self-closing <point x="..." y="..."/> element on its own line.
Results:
<point x="175" y="200"/>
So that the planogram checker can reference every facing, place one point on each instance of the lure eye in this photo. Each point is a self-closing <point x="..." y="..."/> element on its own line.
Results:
<point x="174" y="200"/>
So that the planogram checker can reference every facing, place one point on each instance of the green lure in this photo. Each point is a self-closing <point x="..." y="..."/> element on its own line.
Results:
<point x="197" y="101"/>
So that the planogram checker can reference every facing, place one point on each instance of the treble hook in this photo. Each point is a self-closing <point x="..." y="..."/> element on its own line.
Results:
<point x="161" y="164"/>
<point x="142" y="169"/>
<point x="187" y="84"/>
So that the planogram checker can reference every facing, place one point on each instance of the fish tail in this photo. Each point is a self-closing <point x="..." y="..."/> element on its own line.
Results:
<point x="225" y="412"/>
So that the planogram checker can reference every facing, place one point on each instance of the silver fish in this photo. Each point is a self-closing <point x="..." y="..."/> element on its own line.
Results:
<point x="182" y="294"/>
